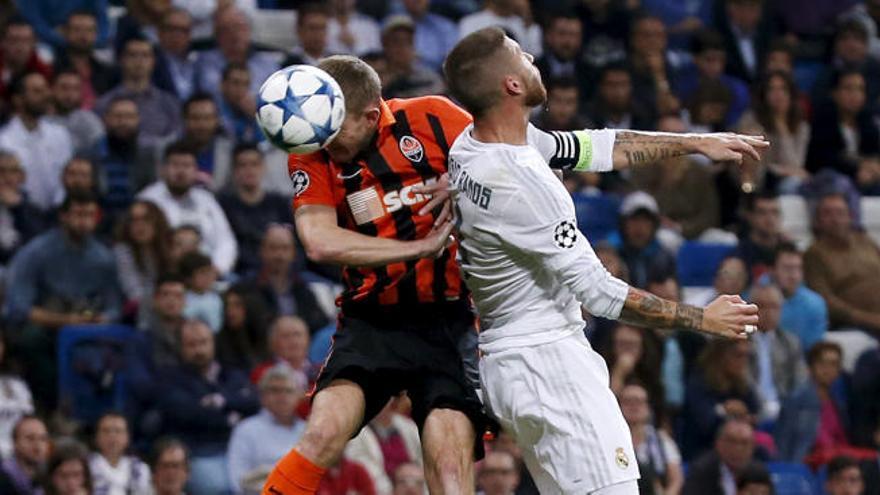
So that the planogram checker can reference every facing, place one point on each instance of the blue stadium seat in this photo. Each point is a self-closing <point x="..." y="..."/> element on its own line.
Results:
<point x="596" y="215"/>
<point x="792" y="478"/>
<point x="91" y="370"/>
<point x="697" y="262"/>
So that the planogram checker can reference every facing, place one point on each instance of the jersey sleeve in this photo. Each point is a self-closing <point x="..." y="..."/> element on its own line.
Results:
<point x="452" y="118"/>
<point x="538" y="221"/>
<point x="312" y="180"/>
<point x="585" y="150"/>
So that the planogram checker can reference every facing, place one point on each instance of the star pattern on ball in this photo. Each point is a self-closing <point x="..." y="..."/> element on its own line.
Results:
<point x="565" y="234"/>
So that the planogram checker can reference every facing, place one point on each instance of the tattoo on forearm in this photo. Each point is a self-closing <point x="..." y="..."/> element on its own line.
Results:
<point x="641" y="148"/>
<point x="647" y="310"/>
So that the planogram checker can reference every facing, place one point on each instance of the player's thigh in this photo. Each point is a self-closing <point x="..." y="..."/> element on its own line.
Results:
<point x="336" y="414"/>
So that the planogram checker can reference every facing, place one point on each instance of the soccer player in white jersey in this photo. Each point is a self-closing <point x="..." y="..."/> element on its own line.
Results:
<point x="531" y="271"/>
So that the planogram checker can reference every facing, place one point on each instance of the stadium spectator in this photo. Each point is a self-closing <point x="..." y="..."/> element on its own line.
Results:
<point x="142" y="251"/>
<point x="709" y="105"/>
<point x="281" y="283"/>
<point x="84" y="127"/>
<point x="815" y="417"/>
<point x="67" y="472"/>
<point x="843" y="266"/>
<point x="804" y="312"/>
<point x="249" y="207"/>
<point x="754" y="479"/>
<point x="634" y="356"/>
<point x="126" y="158"/>
<point x="407" y="77"/>
<point x="232" y="32"/>
<point x="349" y="31"/>
<point x="606" y="27"/>
<point x="672" y="364"/>
<point x="15" y="399"/>
<point x="202" y="133"/>
<point x="184" y="239"/>
<point x="202" y="401"/>
<point x="42" y="146"/>
<point x="289" y="344"/>
<point x="719" y="391"/>
<point x="561" y="112"/>
<point x="62" y="277"/>
<point x="776" y="113"/>
<point x="747" y="30"/>
<point x="169" y="463"/>
<point x="684" y="189"/>
<point x="637" y="242"/>
<point x="779" y="57"/>
<point x="52" y="21"/>
<point x="20" y="472"/>
<point x="658" y="456"/>
<point x="654" y="70"/>
<point x="242" y="342"/>
<point x="238" y="105"/>
<point x="389" y="440"/>
<point x="175" y="70"/>
<point x="435" y="34"/>
<point x="759" y="241"/>
<point x="141" y="20"/>
<point x="504" y="442"/>
<point x="348" y="477"/>
<point x="203" y="302"/>
<point x="562" y="58"/>
<point x="850" y="52"/>
<point x="844" y="137"/>
<point x="185" y="204"/>
<point x="18" y="56"/>
<point x="613" y="105"/>
<point x="682" y="20"/>
<point x="497" y="474"/>
<point x="709" y="58"/>
<point x="409" y="479"/>
<point x="78" y="177"/>
<point x="159" y="110"/>
<point x="777" y="357"/>
<point x="312" y="34"/>
<point x="716" y="471"/>
<point x="514" y="16"/>
<point x="80" y="33"/>
<point x="844" y="477"/>
<point x="259" y="441"/>
<point x="112" y="470"/>
<point x="20" y="220"/>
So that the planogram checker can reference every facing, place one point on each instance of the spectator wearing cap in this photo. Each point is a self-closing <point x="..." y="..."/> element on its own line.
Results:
<point x="311" y="31"/>
<point x="747" y="30"/>
<point x="81" y="33"/>
<point x="637" y="240"/>
<point x="562" y="58"/>
<point x="84" y="126"/>
<point x="175" y="70"/>
<point x="716" y="471"/>
<point x="20" y="472"/>
<point x="561" y="112"/>
<point x="62" y="277"/>
<point x="514" y="17"/>
<point x="258" y="442"/>
<point x="844" y="477"/>
<point x="758" y="242"/>
<point x="613" y="104"/>
<point x="435" y="34"/>
<point x="41" y="145"/>
<point x="169" y="462"/>
<point x="203" y="133"/>
<point x="406" y="76"/>
<point x="18" y="56"/>
<point x="843" y="266"/>
<point x="349" y="31"/>
<point x="232" y="32"/>
<point x="159" y="110"/>
<point x="709" y="60"/>
<point x="20" y="220"/>
<point x="237" y="106"/>
<point x="249" y="207"/>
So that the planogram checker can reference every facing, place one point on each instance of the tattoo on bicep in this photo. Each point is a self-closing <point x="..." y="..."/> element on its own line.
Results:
<point x="645" y="309"/>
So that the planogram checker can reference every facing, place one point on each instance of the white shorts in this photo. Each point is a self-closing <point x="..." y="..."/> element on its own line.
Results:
<point x="556" y="400"/>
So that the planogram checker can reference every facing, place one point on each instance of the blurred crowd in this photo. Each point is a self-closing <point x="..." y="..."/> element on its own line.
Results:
<point x="161" y="326"/>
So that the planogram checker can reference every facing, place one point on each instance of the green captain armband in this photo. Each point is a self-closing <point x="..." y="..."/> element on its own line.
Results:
<point x="584" y="151"/>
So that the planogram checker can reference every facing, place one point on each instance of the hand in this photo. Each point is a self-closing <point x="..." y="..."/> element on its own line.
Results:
<point x="727" y="146"/>
<point x="727" y="316"/>
<point x="439" y="194"/>
<point x="438" y="239"/>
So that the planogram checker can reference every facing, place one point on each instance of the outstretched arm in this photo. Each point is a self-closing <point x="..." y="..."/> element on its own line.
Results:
<point x="726" y="316"/>
<point x="632" y="148"/>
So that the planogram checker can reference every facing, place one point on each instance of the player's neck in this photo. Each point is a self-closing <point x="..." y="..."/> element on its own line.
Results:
<point x="502" y="124"/>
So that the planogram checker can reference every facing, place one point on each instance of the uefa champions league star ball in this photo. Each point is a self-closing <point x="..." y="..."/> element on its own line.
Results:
<point x="300" y="109"/>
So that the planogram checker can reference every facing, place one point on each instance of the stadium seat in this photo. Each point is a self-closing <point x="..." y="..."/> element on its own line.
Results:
<point x="871" y="216"/>
<point x="91" y="364"/>
<point x="596" y="215"/>
<point x="697" y="262"/>
<point x="791" y="478"/>
<point x="796" y="219"/>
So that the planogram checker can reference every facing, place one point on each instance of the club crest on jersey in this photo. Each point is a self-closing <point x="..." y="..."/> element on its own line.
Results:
<point x="411" y="148"/>
<point x="300" y="181"/>
<point x="621" y="458"/>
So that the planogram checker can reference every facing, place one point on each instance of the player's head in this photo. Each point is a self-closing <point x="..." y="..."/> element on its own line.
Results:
<point x="363" y="99"/>
<point x="486" y="68"/>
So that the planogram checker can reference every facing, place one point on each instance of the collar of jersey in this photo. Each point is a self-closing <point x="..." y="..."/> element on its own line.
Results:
<point x="386" y="117"/>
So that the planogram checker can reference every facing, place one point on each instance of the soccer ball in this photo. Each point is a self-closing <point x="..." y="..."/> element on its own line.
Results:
<point x="300" y="109"/>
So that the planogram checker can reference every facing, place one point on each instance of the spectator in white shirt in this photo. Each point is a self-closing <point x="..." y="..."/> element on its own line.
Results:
<point x="514" y="17"/>
<point x="42" y="146"/>
<point x="15" y="401"/>
<point x="113" y="472"/>
<point x="351" y="32"/>
<point x="184" y="204"/>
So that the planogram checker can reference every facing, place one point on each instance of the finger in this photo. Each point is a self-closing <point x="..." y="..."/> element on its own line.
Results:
<point x="747" y="320"/>
<point x="737" y="299"/>
<point x="444" y="215"/>
<point x="747" y="309"/>
<point x="430" y="205"/>
<point x="751" y="151"/>
<point x="427" y="188"/>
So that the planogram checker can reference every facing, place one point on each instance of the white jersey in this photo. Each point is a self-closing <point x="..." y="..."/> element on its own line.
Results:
<point x="530" y="269"/>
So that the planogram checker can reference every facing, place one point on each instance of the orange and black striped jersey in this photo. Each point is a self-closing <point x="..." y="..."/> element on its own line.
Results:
<point x="373" y="195"/>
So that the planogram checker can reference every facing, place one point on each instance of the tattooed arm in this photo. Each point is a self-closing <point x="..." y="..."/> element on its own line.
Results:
<point x="726" y="316"/>
<point x="633" y="148"/>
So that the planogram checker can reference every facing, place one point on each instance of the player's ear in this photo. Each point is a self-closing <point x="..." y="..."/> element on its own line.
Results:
<point x="372" y="115"/>
<point x="513" y="86"/>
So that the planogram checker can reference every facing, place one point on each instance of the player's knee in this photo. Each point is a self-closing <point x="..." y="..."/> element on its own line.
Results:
<point x="323" y="441"/>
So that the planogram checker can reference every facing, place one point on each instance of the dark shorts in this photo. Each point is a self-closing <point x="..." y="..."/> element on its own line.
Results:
<point x="419" y="351"/>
